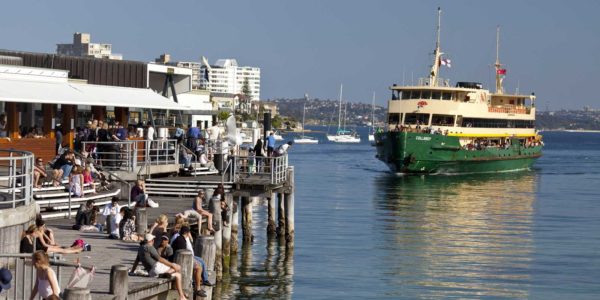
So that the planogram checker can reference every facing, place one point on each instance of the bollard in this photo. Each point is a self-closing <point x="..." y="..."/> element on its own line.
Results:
<point x="215" y="207"/>
<point x="247" y="219"/>
<point x="206" y="248"/>
<point x="227" y="233"/>
<point x="185" y="259"/>
<point x="271" y="227"/>
<point x="234" y="226"/>
<point x="289" y="210"/>
<point x="281" y="215"/>
<point x="141" y="220"/>
<point x="119" y="282"/>
<point x="77" y="294"/>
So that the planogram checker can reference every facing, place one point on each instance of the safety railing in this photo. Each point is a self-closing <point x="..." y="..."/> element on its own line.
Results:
<point x="16" y="178"/>
<point x="271" y="170"/>
<point x="127" y="155"/>
<point x="23" y="272"/>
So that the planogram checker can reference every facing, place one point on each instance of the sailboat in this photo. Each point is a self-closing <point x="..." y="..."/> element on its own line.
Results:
<point x="342" y="135"/>
<point x="372" y="130"/>
<point x="305" y="139"/>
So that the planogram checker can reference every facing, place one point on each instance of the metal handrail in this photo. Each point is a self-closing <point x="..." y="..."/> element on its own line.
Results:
<point x="119" y="179"/>
<point x="274" y="168"/>
<point x="19" y="264"/>
<point x="16" y="176"/>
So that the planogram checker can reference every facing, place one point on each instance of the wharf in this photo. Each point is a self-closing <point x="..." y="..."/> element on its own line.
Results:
<point x="106" y="252"/>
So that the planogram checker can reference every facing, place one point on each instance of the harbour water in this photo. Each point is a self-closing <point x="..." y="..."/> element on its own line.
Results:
<point x="362" y="232"/>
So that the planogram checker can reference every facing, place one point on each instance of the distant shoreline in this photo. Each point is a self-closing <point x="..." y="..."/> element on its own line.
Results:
<point x="572" y="130"/>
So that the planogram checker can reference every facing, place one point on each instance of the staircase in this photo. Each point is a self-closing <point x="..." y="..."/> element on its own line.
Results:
<point x="180" y="186"/>
<point x="54" y="201"/>
<point x="198" y="170"/>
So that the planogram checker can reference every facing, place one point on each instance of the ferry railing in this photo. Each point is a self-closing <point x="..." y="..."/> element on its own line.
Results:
<point x="16" y="178"/>
<point x="21" y="267"/>
<point x="268" y="169"/>
<point x="424" y="81"/>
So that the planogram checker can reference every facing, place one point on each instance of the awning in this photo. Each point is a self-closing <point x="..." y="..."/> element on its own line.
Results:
<point x="31" y="91"/>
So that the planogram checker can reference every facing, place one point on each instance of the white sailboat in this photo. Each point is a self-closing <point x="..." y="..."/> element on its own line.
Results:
<point x="343" y="136"/>
<point x="372" y="130"/>
<point x="305" y="139"/>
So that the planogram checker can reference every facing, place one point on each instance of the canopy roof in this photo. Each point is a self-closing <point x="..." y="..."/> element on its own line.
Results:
<point x="36" y="88"/>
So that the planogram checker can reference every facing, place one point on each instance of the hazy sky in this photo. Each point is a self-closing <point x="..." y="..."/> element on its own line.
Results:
<point x="549" y="47"/>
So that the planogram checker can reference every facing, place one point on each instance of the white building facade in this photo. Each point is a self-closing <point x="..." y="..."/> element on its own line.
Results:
<point x="82" y="46"/>
<point x="195" y="66"/>
<point x="225" y="76"/>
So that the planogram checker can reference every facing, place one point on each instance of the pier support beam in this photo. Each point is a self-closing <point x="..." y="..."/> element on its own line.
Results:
<point x="281" y="214"/>
<point x="48" y="112"/>
<point x="289" y="210"/>
<point x="205" y="247"/>
<point x="235" y="220"/>
<point x="271" y="225"/>
<point x="227" y="232"/>
<point x="76" y="294"/>
<point x="141" y="221"/>
<point x="119" y="282"/>
<point x="215" y="209"/>
<point x="185" y="259"/>
<point x="247" y="219"/>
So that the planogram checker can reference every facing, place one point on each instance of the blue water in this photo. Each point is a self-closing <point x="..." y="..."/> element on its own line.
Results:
<point x="362" y="232"/>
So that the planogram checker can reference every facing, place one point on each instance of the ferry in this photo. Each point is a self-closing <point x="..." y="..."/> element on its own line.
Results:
<point x="436" y="128"/>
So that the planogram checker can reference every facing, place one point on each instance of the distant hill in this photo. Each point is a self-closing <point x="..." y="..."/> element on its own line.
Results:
<point x="325" y="112"/>
<point x="569" y="120"/>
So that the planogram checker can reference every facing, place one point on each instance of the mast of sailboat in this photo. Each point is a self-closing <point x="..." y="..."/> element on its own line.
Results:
<point x="435" y="67"/>
<point x="340" y="111"/>
<point x="373" y="113"/>
<point x="304" y="113"/>
<point x="345" y="111"/>
<point x="500" y="72"/>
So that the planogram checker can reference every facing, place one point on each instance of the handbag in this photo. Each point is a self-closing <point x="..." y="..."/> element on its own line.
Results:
<point x="81" y="277"/>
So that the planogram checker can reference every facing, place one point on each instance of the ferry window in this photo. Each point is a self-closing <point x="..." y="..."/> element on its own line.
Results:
<point x="405" y="95"/>
<point x="395" y="95"/>
<point x="393" y="119"/>
<point x="442" y="120"/>
<point x="497" y="123"/>
<point x="446" y="96"/>
<point x="436" y="95"/>
<point x="415" y="95"/>
<point x="426" y="95"/>
<point x="412" y="119"/>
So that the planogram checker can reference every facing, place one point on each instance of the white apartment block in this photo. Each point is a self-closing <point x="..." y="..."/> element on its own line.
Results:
<point x="82" y="46"/>
<point x="195" y="66"/>
<point x="225" y="76"/>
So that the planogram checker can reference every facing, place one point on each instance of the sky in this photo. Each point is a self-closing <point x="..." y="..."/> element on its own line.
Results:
<point x="549" y="47"/>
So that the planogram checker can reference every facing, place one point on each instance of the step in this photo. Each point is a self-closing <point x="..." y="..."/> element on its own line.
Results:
<point x="60" y="187"/>
<point x="158" y="185"/>
<point x="79" y="199"/>
<point x="62" y="194"/>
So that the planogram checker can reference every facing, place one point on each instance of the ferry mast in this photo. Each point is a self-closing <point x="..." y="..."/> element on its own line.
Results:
<point x="435" y="67"/>
<point x="500" y="72"/>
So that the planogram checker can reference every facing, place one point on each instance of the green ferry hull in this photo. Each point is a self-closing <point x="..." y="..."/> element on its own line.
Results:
<point x="422" y="153"/>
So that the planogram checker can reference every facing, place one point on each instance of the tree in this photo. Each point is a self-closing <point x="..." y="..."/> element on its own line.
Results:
<point x="223" y="115"/>
<point x="246" y="89"/>
<point x="276" y="122"/>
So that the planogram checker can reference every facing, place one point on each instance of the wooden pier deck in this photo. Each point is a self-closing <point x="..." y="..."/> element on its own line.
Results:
<point x="106" y="252"/>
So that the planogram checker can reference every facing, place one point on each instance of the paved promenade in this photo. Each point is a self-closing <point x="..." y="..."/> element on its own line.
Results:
<point x="106" y="253"/>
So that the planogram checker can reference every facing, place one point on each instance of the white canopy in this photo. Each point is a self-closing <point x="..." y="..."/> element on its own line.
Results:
<point x="63" y="92"/>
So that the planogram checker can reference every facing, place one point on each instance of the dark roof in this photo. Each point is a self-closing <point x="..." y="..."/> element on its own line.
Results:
<point x="102" y="71"/>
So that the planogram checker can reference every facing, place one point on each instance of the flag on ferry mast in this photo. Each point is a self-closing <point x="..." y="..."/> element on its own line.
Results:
<point x="446" y="62"/>
<point x="501" y="72"/>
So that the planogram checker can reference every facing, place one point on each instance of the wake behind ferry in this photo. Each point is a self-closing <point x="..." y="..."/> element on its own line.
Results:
<point x="436" y="128"/>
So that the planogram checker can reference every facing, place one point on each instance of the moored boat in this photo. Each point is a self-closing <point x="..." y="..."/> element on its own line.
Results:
<point x="437" y="128"/>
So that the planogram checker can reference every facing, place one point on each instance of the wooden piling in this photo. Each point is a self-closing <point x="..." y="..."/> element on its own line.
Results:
<point x="185" y="259"/>
<point x="271" y="225"/>
<point x="234" y="226"/>
<point x="119" y="282"/>
<point x="215" y="207"/>
<point x="141" y="220"/>
<point x="77" y="294"/>
<point x="205" y="247"/>
<point x="289" y="209"/>
<point x="247" y="219"/>
<point x="281" y="214"/>
<point x="227" y="232"/>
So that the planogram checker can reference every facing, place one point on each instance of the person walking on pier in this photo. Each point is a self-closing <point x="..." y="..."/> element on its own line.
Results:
<point x="156" y="265"/>
<point x="270" y="144"/>
<point x="46" y="283"/>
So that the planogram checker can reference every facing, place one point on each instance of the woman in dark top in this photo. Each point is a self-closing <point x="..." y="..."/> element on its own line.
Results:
<point x="26" y="245"/>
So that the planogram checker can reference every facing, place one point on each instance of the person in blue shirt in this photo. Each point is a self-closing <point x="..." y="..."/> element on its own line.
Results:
<point x="193" y="136"/>
<point x="179" y="133"/>
<point x="270" y="144"/>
